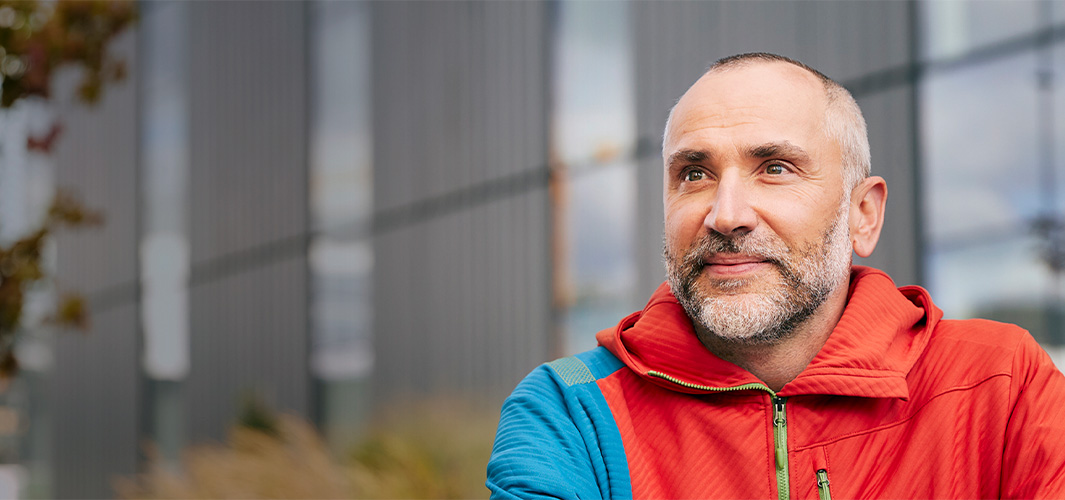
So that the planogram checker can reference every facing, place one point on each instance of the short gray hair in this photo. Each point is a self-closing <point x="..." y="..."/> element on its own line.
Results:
<point x="843" y="121"/>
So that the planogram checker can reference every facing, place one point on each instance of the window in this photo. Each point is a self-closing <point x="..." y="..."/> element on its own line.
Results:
<point x="594" y="137"/>
<point x="164" y="250"/>
<point x="953" y="28"/>
<point x="993" y="151"/>
<point x="341" y="257"/>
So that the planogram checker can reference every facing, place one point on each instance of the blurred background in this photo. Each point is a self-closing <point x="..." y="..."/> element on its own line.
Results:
<point x="334" y="234"/>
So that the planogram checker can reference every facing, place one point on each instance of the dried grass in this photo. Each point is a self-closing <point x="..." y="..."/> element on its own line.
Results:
<point x="436" y="450"/>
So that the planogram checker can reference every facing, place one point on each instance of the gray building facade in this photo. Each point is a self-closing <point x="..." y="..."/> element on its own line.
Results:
<point x="461" y="204"/>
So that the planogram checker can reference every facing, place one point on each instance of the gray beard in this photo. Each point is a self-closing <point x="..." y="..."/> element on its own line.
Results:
<point x="762" y="317"/>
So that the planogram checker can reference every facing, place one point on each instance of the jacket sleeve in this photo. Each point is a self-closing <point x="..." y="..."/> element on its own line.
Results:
<point x="539" y="451"/>
<point x="1033" y="462"/>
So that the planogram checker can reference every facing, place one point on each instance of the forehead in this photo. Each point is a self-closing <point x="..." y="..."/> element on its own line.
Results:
<point x="757" y="102"/>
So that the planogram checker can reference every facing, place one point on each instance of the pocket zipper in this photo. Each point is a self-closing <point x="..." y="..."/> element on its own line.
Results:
<point x="822" y="485"/>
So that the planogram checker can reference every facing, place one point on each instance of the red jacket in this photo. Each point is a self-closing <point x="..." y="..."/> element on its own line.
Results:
<point x="897" y="404"/>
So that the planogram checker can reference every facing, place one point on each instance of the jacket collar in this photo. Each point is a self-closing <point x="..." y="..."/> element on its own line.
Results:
<point x="878" y="339"/>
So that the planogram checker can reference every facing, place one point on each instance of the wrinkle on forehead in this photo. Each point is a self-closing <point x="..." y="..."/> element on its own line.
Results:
<point x="747" y="95"/>
<point x="766" y="150"/>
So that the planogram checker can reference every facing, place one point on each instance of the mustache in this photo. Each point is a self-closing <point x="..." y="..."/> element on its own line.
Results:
<point x="683" y="270"/>
<point x="714" y="243"/>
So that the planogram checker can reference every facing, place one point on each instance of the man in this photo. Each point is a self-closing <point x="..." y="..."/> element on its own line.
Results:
<point x="768" y="366"/>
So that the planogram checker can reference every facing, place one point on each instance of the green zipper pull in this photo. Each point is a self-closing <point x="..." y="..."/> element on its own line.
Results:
<point x="780" y="422"/>
<point x="780" y="438"/>
<point x="822" y="485"/>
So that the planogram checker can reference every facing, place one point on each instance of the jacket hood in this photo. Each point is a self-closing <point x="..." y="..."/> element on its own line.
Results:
<point x="880" y="336"/>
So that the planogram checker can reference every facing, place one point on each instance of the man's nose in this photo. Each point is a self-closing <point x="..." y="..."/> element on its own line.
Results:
<point x="732" y="212"/>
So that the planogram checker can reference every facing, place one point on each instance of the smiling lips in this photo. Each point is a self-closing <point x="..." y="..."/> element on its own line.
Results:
<point x="734" y="264"/>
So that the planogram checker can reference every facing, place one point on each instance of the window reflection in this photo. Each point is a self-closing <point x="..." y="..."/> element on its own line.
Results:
<point x="981" y="152"/>
<point x="952" y="27"/>
<point x="594" y="118"/>
<point x="1058" y="116"/>
<point x="602" y="265"/>
<point x="992" y="167"/>
<point x="340" y="260"/>
<point x="594" y="136"/>
<point x="164" y="247"/>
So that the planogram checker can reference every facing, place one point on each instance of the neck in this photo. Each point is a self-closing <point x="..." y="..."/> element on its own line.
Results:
<point x="779" y="362"/>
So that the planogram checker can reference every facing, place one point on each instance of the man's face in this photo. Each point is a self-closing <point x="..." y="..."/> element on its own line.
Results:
<point x="757" y="231"/>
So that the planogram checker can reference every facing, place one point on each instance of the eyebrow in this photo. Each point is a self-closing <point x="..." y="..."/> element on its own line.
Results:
<point x="778" y="149"/>
<point x="783" y="149"/>
<point x="688" y="156"/>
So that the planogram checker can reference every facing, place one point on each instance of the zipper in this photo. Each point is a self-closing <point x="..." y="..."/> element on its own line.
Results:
<point x="780" y="425"/>
<point x="708" y="388"/>
<point x="822" y="485"/>
<point x="780" y="436"/>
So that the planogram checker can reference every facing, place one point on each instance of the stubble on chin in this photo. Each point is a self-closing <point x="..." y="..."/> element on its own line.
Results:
<point x="744" y="311"/>
<point x="736" y="310"/>
<point x="754" y="311"/>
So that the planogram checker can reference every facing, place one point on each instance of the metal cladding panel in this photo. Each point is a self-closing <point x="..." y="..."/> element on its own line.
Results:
<point x="460" y="96"/>
<point x="850" y="40"/>
<point x="96" y="158"/>
<point x="863" y="45"/>
<point x="892" y="150"/>
<point x="462" y="303"/>
<point x="462" y="254"/>
<point x="94" y="381"/>
<point x="248" y="338"/>
<point x="94" y="405"/>
<point x="248" y="210"/>
<point x="247" y="132"/>
<point x="461" y="246"/>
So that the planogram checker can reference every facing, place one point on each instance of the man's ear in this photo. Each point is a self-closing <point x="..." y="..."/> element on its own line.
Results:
<point x="868" y="200"/>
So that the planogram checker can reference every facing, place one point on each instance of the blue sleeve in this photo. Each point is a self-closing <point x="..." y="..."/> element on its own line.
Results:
<point x="557" y="439"/>
<point x="538" y="451"/>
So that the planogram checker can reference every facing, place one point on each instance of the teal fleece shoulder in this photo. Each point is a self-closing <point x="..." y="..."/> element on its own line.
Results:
<point x="557" y="437"/>
<point x="572" y="371"/>
<point x="601" y="362"/>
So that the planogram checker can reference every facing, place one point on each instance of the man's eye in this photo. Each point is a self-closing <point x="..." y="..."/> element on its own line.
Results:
<point x="775" y="169"/>
<point x="694" y="175"/>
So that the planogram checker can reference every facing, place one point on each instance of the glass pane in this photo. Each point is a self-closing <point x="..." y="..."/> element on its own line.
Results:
<point x="602" y="268"/>
<point x="1057" y="123"/>
<point x="340" y="190"/>
<point x="1055" y="134"/>
<point x="951" y="28"/>
<point x="594" y="135"/>
<point x="981" y="150"/>
<point x="594" y="116"/>
<point x="341" y="258"/>
<point x="164" y="245"/>
<point x="340" y="123"/>
<point x="1014" y="277"/>
<point x="340" y="308"/>
<point x="987" y="184"/>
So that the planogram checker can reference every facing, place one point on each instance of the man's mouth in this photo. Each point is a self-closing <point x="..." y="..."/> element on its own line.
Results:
<point x="734" y="264"/>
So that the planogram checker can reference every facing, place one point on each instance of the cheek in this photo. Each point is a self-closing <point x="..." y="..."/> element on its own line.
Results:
<point x="682" y="224"/>
<point x="801" y="216"/>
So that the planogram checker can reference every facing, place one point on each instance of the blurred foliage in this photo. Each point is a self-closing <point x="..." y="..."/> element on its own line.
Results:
<point x="436" y="449"/>
<point x="254" y="414"/>
<point x="37" y="37"/>
<point x="21" y="268"/>
<point x="252" y="464"/>
<point x="424" y="450"/>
